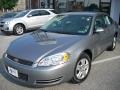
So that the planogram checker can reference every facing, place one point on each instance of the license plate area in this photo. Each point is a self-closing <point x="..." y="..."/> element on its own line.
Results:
<point x="12" y="71"/>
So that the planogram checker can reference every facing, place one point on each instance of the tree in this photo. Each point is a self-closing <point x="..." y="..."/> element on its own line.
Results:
<point x="8" y="4"/>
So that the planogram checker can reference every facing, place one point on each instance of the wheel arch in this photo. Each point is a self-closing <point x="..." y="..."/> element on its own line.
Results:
<point x="116" y="34"/>
<point x="21" y="24"/>
<point x="89" y="53"/>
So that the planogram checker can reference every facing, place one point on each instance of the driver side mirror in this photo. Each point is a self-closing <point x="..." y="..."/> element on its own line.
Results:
<point x="98" y="30"/>
<point x="29" y="16"/>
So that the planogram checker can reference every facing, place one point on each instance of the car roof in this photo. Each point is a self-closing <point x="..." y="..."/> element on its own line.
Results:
<point x="84" y="13"/>
<point x="40" y="9"/>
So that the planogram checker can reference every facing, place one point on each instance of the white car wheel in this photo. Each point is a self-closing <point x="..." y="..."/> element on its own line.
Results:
<point x="19" y="29"/>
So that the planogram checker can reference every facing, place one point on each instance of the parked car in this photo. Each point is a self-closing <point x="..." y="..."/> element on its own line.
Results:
<point x="7" y="15"/>
<point x="61" y="50"/>
<point x="26" y="20"/>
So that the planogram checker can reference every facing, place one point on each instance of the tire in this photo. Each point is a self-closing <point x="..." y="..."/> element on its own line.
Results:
<point x="113" y="45"/>
<point x="18" y="29"/>
<point x="82" y="69"/>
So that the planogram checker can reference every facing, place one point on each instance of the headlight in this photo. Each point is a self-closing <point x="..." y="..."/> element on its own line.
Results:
<point x="56" y="59"/>
<point x="7" y="22"/>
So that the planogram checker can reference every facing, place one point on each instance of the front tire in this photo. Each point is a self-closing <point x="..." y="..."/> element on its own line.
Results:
<point x="18" y="29"/>
<point x="82" y="68"/>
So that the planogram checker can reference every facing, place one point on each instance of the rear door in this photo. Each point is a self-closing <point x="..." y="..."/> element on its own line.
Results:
<point x="110" y="28"/>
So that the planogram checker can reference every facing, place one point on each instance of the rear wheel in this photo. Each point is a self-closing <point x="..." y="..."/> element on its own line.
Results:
<point x="82" y="68"/>
<point x="19" y="29"/>
<point x="113" y="45"/>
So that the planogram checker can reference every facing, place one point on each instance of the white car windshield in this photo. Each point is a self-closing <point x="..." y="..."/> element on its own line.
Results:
<point x="22" y="14"/>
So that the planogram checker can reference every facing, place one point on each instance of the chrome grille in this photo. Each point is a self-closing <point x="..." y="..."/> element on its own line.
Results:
<point x="18" y="60"/>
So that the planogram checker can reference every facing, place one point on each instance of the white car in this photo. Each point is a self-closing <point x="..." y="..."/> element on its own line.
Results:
<point x="26" y="20"/>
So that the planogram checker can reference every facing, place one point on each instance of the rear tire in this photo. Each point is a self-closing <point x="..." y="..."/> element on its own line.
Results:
<point x="82" y="69"/>
<point x="113" y="45"/>
<point x="18" y="29"/>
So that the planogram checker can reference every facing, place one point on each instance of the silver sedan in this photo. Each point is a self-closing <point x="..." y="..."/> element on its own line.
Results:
<point x="62" y="50"/>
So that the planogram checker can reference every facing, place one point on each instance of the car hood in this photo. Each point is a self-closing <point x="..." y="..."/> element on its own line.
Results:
<point x="7" y="19"/>
<point x="36" y="45"/>
<point x="10" y="19"/>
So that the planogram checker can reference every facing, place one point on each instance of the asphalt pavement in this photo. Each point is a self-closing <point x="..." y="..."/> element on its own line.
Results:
<point x="104" y="75"/>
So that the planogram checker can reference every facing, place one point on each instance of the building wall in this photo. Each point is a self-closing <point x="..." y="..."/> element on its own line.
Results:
<point x="115" y="5"/>
<point x="32" y="4"/>
<point x="115" y="10"/>
<point x="21" y="5"/>
<point x="88" y="2"/>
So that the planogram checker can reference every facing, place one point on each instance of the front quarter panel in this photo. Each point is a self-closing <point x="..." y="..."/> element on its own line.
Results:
<point x="80" y="47"/>
<point x="16" y="21"/>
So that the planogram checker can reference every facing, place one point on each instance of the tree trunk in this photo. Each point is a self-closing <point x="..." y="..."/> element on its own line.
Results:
<point x="3" y="10"/>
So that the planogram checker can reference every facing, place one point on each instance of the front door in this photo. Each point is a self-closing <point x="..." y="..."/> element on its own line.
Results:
<point x="100" y="39"/>
<point x="38" y="17"/>
<point x="33" y="19"/>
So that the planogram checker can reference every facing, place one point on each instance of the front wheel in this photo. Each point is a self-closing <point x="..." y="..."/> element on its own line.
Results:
<point x="19" y="29"/>
<point x="82" y="68"/>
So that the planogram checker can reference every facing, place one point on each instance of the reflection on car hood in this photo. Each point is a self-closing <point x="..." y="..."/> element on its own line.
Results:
<point x="4" y="19"/>
<point x="7" y="19"/>
<point x="35" y="45"/>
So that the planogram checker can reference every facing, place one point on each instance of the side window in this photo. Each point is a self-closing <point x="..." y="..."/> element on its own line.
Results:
<point x="108" y="21"/>
<point x="111" y="20"/>
<point x="100" y="22"/>
<point x="43" y="12"/>
<point x="35" y="13"/>
<point x="54" y="11"/>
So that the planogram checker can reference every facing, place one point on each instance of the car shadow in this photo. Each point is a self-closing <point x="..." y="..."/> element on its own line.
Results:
<point x="2" y="34"/>
<point x="7" y="34"/>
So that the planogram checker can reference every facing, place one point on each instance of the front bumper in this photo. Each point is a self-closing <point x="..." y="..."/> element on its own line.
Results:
<point x="39" y="76"/>
<point x="6" y="27"/>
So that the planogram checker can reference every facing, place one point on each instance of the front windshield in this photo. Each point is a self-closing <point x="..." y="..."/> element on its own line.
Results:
<point x="9" y="15"/>
<point x="69" y="24"/>
<point x="22" y="14"/>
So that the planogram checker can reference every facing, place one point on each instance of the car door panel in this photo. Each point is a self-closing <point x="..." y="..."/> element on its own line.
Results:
<point x="97" y="44"/>
<point x="100" y="39"/>
<point x="31" y="21"/>
<point x="43" y="19"/>
<point x="110" y="29"/>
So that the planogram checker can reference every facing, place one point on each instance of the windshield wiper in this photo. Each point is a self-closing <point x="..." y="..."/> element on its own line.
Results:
<point x="43" y="30"/>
